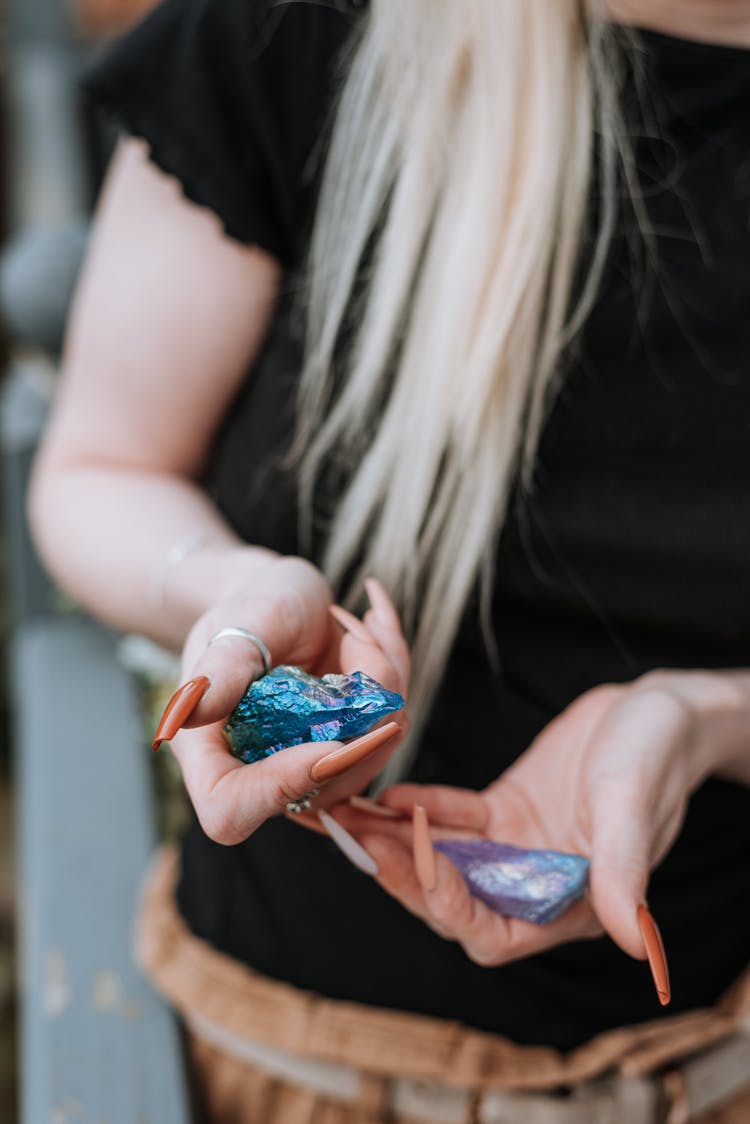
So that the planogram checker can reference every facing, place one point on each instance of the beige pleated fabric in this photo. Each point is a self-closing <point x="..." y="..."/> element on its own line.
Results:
<point x="210" y="989"/>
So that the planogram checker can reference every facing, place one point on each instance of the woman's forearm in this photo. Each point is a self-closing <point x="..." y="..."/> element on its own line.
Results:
<point x="168" y="318"/>
<point x="112" y="537"/>
<point x="717" y="704"/>
<point x="734" y="757"/>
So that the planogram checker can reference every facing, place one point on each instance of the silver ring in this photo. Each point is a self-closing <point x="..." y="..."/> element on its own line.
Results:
<point x="304" y="803"/>
<point x="243" y="634"/>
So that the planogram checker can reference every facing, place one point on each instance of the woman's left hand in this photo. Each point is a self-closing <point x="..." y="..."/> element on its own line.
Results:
<point x="609" y="779"/>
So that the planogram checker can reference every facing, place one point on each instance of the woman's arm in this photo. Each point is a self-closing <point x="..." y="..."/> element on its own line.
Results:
<point x="167" y="319"/>
<point x="169" y="315"/>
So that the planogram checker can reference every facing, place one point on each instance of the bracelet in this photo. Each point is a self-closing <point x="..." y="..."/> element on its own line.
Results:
<point x="177" y="553"/>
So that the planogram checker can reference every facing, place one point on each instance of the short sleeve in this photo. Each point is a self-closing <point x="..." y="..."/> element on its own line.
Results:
<point x="233" y="97"/>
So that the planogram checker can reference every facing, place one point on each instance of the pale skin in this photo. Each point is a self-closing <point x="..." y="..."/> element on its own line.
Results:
<point x="169" y="316"/>
<point x="712" y="21"/>
<point x="158" y="345"/>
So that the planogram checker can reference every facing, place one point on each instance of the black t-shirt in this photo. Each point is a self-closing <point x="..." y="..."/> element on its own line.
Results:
<point x="632" y="553"/>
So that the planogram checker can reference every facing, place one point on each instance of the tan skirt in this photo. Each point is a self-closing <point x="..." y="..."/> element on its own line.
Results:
<point x="267" y="1053"/>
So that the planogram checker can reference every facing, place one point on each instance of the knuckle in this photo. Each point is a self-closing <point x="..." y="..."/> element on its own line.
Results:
<point x="602" y="690"/>
<point x="451" y="908"/>
<point x="482" y="955"/>
<point x="449" y="903"/>
<point x="601" y="696"/>
<point x="287" y="787"/>
<point x="223" y="820"/>
<point x="656" y="690"/>
<point x="655" y="679"/>
<point x="218" y="826"/>
<point x="284" y="793"/>
<point x="441" y="931"/>
<point x="514" y="943"/>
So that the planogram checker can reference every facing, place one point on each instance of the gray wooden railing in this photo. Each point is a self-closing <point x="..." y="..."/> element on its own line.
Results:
<point x="96" y="1042"/>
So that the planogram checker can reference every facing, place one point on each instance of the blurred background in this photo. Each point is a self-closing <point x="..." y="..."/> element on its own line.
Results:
<point x="81" y="1038"/>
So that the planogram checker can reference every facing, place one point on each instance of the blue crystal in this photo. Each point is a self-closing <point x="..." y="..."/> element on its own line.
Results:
<point x="533" y="885"/>
<point x="288" y="707"/>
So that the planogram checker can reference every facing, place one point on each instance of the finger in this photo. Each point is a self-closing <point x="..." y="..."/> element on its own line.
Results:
<point x="372" y="660"/>
<point x="384" y="623"/>
<point x="396" y="874"/>
<point x="619" y="869"/>
<point x="362" y="818"/>
<point x="447" y="899"/>
<point x="179" y="709"/>
<point x="230" y="664"/>
<point x="350" y="847"/>
<point x="636" y="805"/>
<point x="372" y="808"/>
<point x="356" y="752"/>
<point x="351" y="624"/>
<point x="487" y="936"/>
<point x="360" y="775"/>
<point x="294" y="626"/>
<point x="232" y="799"/>
<point x="445" y="806"/>
<point x="382" y="606"/>
<point x="361" y="650"/>
<point x="424" y="855"/>
<point x="503" y="940"/>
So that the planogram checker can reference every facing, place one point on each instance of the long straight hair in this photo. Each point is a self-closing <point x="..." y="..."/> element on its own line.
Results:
<point x="447" y="247"/>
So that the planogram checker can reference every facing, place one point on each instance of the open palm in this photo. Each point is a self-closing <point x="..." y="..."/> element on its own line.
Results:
<point x="609" y="779"/>
<point x="291" y="610"/>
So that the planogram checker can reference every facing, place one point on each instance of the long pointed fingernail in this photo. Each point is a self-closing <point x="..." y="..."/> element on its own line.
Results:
<point x="348" y="845"/>
<point x="362" y="804"/>
<point x="657" y="959"/>
<point x="179" y="708"/>
<point x="333" y="764"/>
<point x="424" y="856"/>
<point x="351" y="624"/>
<point x="381" y="602"/>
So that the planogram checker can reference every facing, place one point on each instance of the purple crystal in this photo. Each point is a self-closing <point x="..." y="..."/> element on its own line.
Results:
<point x="533" y="885"/>
<point x="288" y="707"/>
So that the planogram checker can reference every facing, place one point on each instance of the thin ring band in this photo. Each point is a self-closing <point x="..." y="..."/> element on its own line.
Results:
<point x="243" y="634"/>
<point x="304" y="804"/>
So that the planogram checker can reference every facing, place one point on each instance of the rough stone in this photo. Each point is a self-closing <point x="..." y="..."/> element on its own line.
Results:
<point x="535" y="886"/>
<point x="288" y="707"/>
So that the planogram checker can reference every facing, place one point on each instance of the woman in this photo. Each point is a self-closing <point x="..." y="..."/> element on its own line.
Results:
<point x="509" y="383"/>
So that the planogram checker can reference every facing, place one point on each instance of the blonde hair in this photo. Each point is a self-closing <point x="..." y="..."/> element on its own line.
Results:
<point x="450" y="224"/>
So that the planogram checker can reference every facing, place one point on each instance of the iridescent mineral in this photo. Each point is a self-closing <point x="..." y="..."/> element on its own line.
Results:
<point x="288" y="707"/>
<point x="533" y="885"/>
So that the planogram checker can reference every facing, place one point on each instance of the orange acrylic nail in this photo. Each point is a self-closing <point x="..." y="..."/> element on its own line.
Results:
<point x="333" y="764"/>
<point x="655" y="951"/>
<point x="179" y="708"/>
<point x="424" y="856"/>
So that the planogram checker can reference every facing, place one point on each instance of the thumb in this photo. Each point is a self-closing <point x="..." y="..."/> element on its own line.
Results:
<point x="619" y="873"/>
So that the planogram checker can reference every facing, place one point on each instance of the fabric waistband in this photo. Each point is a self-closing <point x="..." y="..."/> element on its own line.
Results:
<point x="682" y="1095"/>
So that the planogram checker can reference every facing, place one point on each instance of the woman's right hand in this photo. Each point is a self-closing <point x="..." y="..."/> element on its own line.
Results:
<point x="288" y="606"/>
